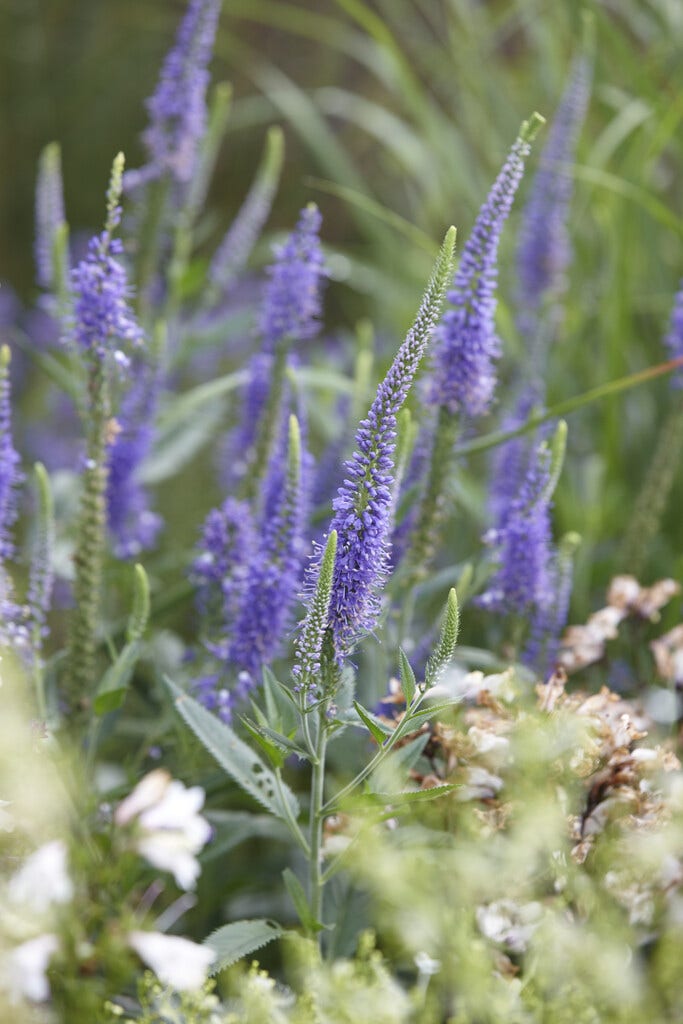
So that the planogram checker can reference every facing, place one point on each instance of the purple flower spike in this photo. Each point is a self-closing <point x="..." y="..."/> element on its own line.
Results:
<point x="273" y="576"/>
<point x="544" y="252"/>
<point x="466" y="343"/>
<point x="177" y="109"/>
<point x="292" y="298"/>
<point x="132" y="524"/>
<point x="103" y="317"/>
<point x="674" y="339"/>
<point x="364" y="503"/>
<point x="10" y="474"/>
<point x="522" y="580"/>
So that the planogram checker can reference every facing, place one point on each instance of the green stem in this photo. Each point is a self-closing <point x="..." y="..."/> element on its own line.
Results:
<point x="316" y="817"/>
<point x="89" y="555"/>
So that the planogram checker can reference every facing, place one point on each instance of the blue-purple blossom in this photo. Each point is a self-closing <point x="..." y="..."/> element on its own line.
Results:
<point x="363" y="506"/>
<point x="549" y="618"/>
<point x="133" y="526"/>
<point x="10" y="473"/>
<point x="511" y="460"/>
<point x="49" y="213"/>
<point x="292" y="297"/>
<point x="274" y="573"/>
<point x="177" y="108"/>
<point x="674" y="337"/>
<point x="466" y="344"/>
<point x="524" y="578"/>
<point x="544" y="251"/>
<point x="103" y="319"/>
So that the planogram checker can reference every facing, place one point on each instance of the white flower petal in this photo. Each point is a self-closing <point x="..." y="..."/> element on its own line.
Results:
<point x="23" y="974"/>
<point x="148" y="792"/>
<point x="43" y="879"/>
<point x="177" y="962"/>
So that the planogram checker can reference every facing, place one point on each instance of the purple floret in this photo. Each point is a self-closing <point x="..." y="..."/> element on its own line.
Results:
<point x="465" y="342"/>
<point x="10" y="473"/>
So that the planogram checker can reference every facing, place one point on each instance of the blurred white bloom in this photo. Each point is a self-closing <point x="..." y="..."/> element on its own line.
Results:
<point x="479" y="784"/>
<point x="6" y="819"/>
<point x="23" y="969"/>
<point x="42" y="880"/>
<point x="170" y="831"/>
<point x="508" y="923"/>
<point x="177" y="962"/>
<point x="426" y="964"/>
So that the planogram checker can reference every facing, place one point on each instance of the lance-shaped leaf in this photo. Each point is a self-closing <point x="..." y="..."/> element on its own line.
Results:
<point x="234" y="251"/>
<point x="235" y="757"/>
<point x="233" y="941"/>
<point x="447" y="641"/>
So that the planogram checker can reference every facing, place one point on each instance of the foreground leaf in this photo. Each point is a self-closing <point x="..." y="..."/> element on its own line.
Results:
<point x="233" y="941"/>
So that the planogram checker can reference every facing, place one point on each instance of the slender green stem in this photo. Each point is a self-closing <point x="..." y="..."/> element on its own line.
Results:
<point x="316" y="817"/>
<point x="89" y="556"/>
<point x="291" y="821"/>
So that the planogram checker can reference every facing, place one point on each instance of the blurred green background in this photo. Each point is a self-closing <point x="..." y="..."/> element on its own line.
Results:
<point x="398" y="114"/>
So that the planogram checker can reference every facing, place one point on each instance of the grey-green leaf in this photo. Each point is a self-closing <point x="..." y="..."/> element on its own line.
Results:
<point x="235" y="757"/>
<point x="233" y="941"/>
<point x="408" y="681"/>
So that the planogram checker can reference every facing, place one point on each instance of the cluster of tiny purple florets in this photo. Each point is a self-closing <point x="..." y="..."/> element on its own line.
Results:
<point x="177" y="108"/>
<point x="363" y="507"/>
<point x="524" y="543"/>
<point x="544" y="252"/>
<point x="103" y="318"/>
<point x="292" y="298"/>
<point x="134" y="527"/>
<point x="465" y="342"/>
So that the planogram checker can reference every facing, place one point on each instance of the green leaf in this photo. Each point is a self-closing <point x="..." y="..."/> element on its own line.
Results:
<point x="408" y="681"/>
<point x="414" y="796"/>
<point x="411" y="723"/>
<point x="111" y="692"/>
<point x="397" y="764"/>
<point x="378" y="729"/>
<point x="233" y="941"/>
<point x="235" y="757"/>
<point x="273" y="751"/>
<point x="301" y="905"/>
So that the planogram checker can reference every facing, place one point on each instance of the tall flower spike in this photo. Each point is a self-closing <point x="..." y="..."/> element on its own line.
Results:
<point x="466" y="344"/>
<point x="49" y="213"/>
<point x="177" y="108"/>
<point x="362" y="509"/>
<point x="132" y="524"/>
<point x="544" y="252"/>
<point x="103" y="319"/>
<point x="524" y="581"/>
<point x="274" y="572"/>
<point x="10" y="474"/>
<point x="292" y="299"/>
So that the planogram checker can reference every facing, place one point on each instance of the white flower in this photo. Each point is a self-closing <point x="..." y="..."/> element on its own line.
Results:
<point x="170" y="831"/>
<point x="43" y="880"/>
<point x="177" y="962"/>
<point x="23" y="970"/>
